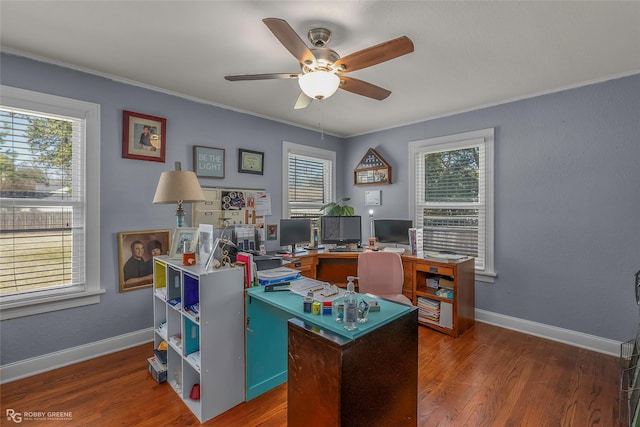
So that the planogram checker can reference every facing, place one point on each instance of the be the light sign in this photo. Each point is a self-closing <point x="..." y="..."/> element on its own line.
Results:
<point x="208" y="162"/>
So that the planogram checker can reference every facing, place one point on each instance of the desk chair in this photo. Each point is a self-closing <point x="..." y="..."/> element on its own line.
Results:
<point x="381" y="274"/>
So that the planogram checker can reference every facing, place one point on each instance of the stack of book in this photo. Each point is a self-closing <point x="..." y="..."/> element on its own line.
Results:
<point x="428" y="310"/>
<point x="445" y="293"/>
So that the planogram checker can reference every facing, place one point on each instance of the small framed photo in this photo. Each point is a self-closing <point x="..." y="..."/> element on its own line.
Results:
<point x="250" y="161"/>
<point x="208" y="162"/>
<point x="272" y="232"/>
<point x="136" y="250"/>
<point x="143" y="137"/>
<point x="184" y="237"/>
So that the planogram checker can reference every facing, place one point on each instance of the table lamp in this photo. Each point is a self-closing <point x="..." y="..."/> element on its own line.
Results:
<point x="179" y="187"/>
<point x="372" y="233"/>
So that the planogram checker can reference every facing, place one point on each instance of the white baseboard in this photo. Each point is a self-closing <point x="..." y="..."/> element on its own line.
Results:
<point x="26" y="368"/>
<point x="553" y="333"/>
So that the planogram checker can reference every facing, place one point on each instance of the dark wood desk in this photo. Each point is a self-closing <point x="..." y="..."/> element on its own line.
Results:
<point x="334" y="267"/>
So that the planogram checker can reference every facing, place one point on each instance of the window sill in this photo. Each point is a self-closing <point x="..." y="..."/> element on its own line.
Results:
<point x="484" y="276"/>
<point x="12" y="310"/>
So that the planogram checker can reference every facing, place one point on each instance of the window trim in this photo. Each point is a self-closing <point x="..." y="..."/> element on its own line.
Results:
<point x="450" y="142"/>
<point x="303" y="150"/>
<point x="42" y="302"/>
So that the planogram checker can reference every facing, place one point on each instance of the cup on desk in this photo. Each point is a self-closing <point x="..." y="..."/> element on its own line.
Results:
<point x="188" y="255"/>
<point x="363" y="313"/>
<point x="189" y="258"/>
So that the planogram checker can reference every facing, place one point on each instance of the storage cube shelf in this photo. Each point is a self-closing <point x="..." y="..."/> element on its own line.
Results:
<point x="194" y="312"/>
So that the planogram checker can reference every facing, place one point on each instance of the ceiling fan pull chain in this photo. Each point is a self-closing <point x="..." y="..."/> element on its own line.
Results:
<point x="320" y="120"/>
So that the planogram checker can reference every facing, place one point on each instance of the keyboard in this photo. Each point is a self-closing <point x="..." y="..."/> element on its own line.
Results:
<point x="396" y="250"/>
<point x="345" y="249"/>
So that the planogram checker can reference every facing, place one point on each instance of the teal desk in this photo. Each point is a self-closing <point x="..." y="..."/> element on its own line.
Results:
<point x="390" y="334"/>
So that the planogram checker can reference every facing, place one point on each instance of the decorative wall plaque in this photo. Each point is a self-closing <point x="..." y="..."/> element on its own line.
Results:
<point x="372" y="170"/>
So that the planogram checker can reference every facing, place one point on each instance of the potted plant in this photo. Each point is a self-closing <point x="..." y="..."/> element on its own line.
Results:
<point x="338" y="208"/>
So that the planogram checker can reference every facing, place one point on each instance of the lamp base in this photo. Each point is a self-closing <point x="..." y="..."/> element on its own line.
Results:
<point x="180" y="216"/>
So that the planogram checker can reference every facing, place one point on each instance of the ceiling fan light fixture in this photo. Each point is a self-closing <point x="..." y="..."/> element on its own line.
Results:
<point x="319" y="84"/>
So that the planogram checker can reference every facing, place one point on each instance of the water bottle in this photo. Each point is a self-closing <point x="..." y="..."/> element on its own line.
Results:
<point x="350" y="306"/>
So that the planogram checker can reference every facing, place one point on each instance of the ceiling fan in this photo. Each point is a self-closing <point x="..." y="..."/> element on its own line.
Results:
<point x="322" y="69"/>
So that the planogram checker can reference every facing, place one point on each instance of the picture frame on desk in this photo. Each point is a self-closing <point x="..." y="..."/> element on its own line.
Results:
<point x="136" y="250"/>
<point x="143" y="137"/>
<point x="182" y="236"/>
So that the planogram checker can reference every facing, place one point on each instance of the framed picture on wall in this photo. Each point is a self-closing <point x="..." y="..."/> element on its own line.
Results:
<point x="143" y="137"/>
<point x="250" y="161"/>
<point x="136" y="250"/>
<point x="208" y="162"/>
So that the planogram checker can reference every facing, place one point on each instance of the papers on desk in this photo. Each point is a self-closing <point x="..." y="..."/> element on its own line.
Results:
<point x="277" y="275"/>
<point x="444" y="256"/>
<point x="322" y="291"/>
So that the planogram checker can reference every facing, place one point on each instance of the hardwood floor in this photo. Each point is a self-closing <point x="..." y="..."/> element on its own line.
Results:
<point x="489" y="376"/>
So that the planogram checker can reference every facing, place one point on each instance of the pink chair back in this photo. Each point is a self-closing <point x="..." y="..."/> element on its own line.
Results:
<point x="380" y="273"/>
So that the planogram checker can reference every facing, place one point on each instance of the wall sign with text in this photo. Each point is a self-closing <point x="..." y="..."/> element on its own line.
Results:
<point x="208" y="162"/>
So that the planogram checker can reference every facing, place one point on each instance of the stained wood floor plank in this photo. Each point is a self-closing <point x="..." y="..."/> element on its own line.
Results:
<point x="490" y="376"/>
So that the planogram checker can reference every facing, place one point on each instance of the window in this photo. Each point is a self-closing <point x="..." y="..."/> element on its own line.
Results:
<point x="452" y="195"/>
<point x="49" y="205"/>
<point x="308" y="180"/>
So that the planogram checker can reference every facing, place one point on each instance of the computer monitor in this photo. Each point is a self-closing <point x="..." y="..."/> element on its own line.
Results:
<point x="294" y="231"/>
<point x="340" y="229"/>
<point x="391" y="231"/>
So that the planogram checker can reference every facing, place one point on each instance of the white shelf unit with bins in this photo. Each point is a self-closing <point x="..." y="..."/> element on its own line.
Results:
<point x="215" y="333"/>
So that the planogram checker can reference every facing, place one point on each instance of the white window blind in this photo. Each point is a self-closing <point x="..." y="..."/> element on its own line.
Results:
<point x="42" y="194"/>
<point x="309" y="180"/>
<point x="453" y="195"/>
<point x="44" y="227"/>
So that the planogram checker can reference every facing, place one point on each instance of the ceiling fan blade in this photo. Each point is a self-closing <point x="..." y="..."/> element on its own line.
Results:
<point x="290" y="40"/>
<point x="262" y="76"/>
<point x="303" y="101"/>
<point x="360" y="87"/>
<point x="376" y="54"/>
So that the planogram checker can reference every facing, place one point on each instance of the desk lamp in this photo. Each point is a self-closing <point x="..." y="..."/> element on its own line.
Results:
<point x="371" y="230"/>
<point x="179" y="187"/>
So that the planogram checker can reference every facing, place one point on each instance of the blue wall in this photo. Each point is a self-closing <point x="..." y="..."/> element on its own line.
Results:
<point x="128" y="187"/>
<point x="567" y="198"/>
<point x="567" y="203"/>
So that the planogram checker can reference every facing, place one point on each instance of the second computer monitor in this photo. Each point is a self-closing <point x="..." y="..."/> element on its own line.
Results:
<point x="294" y="231"/>
<point x="392" y="230"/>
<point x="340" y="230"/>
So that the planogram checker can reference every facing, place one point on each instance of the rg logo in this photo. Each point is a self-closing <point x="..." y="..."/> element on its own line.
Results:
<point x="14" y="416"/>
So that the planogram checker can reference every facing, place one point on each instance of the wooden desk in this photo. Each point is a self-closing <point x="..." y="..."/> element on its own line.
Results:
<point x="334" y="267"/>
<point x="362" y="377"/>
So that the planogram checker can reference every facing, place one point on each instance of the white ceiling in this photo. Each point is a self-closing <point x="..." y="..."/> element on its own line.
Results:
<point x="467" y="54"/>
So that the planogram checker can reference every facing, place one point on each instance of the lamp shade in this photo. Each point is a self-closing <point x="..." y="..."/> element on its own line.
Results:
<point x="319" y="84"/>
<point x="177" y="187"/>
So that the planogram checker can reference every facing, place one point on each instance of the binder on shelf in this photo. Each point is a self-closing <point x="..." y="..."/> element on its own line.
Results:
<point x="246" y="260"/>
<point x="415" y="241"/>
<point x="446" y="315"/>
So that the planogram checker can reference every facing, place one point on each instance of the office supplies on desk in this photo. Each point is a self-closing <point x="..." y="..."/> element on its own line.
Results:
<point x="277" y="275"/>
<point x="278" y="287"/>
<point x="345" y="249"/>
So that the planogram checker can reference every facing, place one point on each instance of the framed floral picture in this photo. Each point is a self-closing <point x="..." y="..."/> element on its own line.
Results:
<point x="143" y="137"/>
